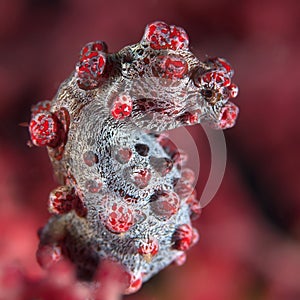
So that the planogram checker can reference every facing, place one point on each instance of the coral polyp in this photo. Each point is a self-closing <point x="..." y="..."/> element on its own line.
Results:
<point x="124" y="193"/>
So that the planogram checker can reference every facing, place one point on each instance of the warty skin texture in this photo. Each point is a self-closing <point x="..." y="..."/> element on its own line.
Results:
<point x="125" y="195"/>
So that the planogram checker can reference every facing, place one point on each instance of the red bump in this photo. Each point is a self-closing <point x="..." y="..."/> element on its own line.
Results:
<point x="178" y="38"/>
<point x="228" y="116"/>
<point x="188" y="118"/>
<point x="221" y="64"/>
<point x="44" y="129"/>
<point x="121" y="107"/>
<point x="233" y="90"/>
<point x="141" y="177"/>
<point x="93" y="186"/>
<point x="120" y="218"/>
<point x="183" y="237"/>
<point x="61" y="200"/>
<point x="157" y="34"/>
<point x="91" y="66"/>
<point x="164" y="205"/>
<point x="215" y="79"/>
<point x="184" y="188"/>
<point x="170" y="66"/>
<point x="90" y="158"/>
<point x="135" y="283"/>
<point x="180" y="158"/>
<point x="194" y="206"/>
<point x="123" y="155"/>
<point x="162" y="36"/>
<point x="188" y="175"/>
<point x="148" y="247"/>
<point x="91" y="47"/>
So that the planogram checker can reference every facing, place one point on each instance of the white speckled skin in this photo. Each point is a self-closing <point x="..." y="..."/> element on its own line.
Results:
<point x="159" y="104"/>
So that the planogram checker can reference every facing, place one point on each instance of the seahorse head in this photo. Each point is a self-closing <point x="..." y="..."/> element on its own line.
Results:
<point x="158" y="83"/>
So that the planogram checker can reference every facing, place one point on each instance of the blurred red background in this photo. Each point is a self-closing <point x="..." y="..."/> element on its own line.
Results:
<point x="250" y="233"/>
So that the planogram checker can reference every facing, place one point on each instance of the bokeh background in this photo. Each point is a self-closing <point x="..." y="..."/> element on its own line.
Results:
<point x="250" y="233"/>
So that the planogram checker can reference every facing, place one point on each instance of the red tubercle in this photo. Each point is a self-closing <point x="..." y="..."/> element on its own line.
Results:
<point x="141" y="177"/>
<point x="157" y="34"/>
<point x="45" y="129"/>
<point x="50" y="129"/>
<point x="61" y="200"/>
<point x="148" y="248"/>
<point x="180" y="158"/>
<point x="182" y="237"/>
<point x="228" y="116"/>
<point x="93" y="186"/>
<point x="119" y="218"/>
<point x="168" y="146"/>
<point x="225" y="65"/>
<point x="164" y="205"/>
<point x="194" y="206"/>
<point x="233" y="90"/>
<point x="90" y="158"/>
<point x="135" y="283"/>
<point x="221" y="64"/>
<point x="170" y="67"/>
<point x="91" y="48"/>
<point x="183" y="188"/>
<point x="91" y="66"/>
<point x="188" y="118"/>
<point x="216" y="79"/>
<point x="178" y="38"/>
<point x="123" y="155"/>
<point x="122" y="107"/>
<point x="162" y="36"/>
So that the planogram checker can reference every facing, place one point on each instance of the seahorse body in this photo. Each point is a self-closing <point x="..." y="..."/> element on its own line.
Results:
<point x="124" y="193"/>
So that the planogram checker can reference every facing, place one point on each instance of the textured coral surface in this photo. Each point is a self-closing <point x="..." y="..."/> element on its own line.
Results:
<point x="249" y="247"/>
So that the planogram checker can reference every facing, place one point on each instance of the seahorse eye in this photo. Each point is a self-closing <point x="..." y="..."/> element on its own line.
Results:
<point x="207" y="94"/>
<point x="210" y="96"/>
